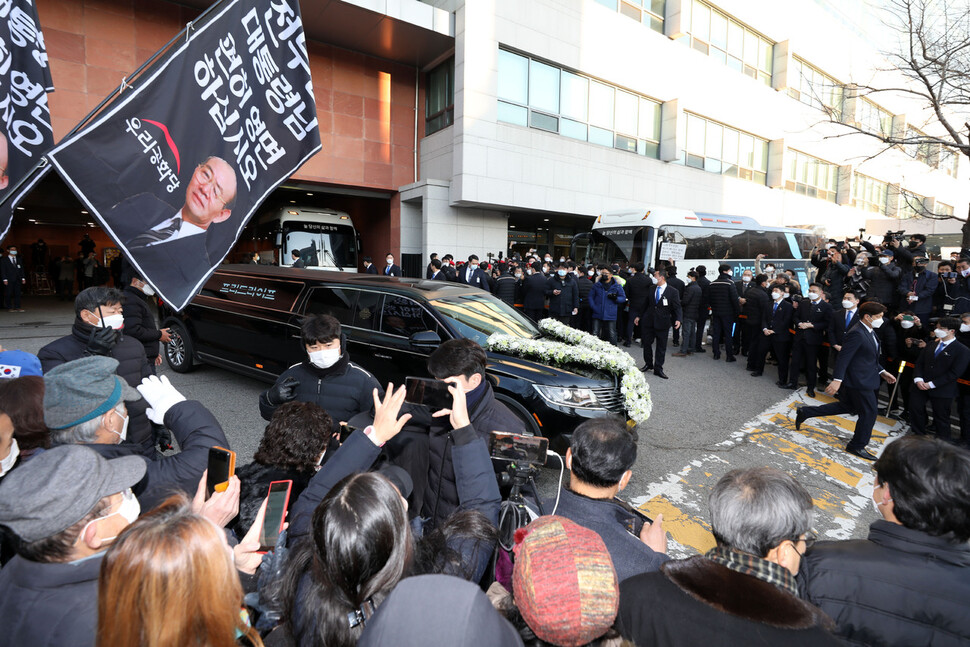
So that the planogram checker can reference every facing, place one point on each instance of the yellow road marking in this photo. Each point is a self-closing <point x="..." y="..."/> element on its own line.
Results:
<point x="849" y="425"/>
<point x="684" y="528"/>
<point x="808" y="458"/>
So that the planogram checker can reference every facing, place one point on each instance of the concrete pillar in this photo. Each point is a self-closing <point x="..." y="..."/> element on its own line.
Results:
<point x="676" y="14"/>
<point x="777" y="167"/>
<point x="672" y="131"/>
<point x="780" y="64"/>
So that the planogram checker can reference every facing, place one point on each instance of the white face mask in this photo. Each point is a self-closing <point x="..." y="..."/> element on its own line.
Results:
<point x="964" y="327"/>
<point x="473" y="266"/>
<point x="965" y="272"/>
<point x="518" y="275"/>
<point x="112" y="321"/>
<point x="829" y="245"/>
<point x="13" y="252"/>
<point x="941" y="333"/>
<point x="906" y="324"/>
<point x="590" y="273"/>
<point x="654" y="280"/>
<point x="746" y="278"/>
<point x="562" y="259"/>
<point x="814" y="296"/>
<point x="390" y="261"/>
<point x="860" y="262"/>
<point x="730" y="272"/>
<point x="876" y="323"/>
<point x="848" y="305"/>
<point x="770" y="269"/>
<point x="884" y="259"/>
<point x="129" y="510"/>
<point x="876" y="505"/>
<point x="324" y="358"/>
<point x="777" y="296"/>
<point x="7" y="463"/>
<point x="147" y="290"/>
<point x="123" y="434"/>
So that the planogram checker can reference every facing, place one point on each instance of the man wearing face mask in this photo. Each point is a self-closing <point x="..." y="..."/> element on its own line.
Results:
<point x="908" y="582"/>
<point x="12" y="273"/>
<point x="472" y="274"/>
<point x="67" y="506"/>
<point x="326" y="377"/>
<point x="390" y="269"/>
<point x="584" y="285"/>
<point x="139" y="321"/>
<point x="637" y="289"/>
<point x="99" y="330"/>
<point x="563" y="296"/>
<point x="812" y="319"/>
<point x="856" y="379"/>
<point x="86" y="403"/>
<point x="935" y="376"/>
<point x="725" y="308"/>
<point x="776" y="333"/>
<point x="661" y="311"/>
<point x="917" y="287"/>
<point x="884" y="279"/>
<point x="534" y="293"/>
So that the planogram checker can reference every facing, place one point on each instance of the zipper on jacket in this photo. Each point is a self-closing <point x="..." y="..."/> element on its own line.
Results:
<point x="318" y="385"/>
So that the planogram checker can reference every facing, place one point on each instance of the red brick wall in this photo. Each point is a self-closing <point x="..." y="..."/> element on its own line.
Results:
<point x="365" y="105"/>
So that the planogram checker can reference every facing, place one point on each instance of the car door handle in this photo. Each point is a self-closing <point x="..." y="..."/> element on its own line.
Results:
<point x="382" y="356"/>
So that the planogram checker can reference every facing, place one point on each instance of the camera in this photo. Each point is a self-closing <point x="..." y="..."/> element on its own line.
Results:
<point x="893" y="235"/>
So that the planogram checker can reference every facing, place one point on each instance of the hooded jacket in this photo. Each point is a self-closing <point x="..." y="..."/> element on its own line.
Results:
<point x="604" y="308"/>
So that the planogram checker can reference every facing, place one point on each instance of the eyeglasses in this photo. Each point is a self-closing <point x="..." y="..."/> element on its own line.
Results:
<point x="207" y="176"/>
<point x="810" y="538"/>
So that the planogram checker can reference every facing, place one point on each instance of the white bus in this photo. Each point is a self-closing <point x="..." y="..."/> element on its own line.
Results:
<point x="636" y="236"/>
<point x="325" y="238"/>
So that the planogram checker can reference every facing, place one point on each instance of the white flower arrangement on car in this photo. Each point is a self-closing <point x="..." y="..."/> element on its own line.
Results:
<point x="577" y="347"/>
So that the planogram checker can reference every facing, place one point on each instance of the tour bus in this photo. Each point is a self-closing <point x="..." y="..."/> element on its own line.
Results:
<point x="637" y="236"/>
<point x="325" y="238"/>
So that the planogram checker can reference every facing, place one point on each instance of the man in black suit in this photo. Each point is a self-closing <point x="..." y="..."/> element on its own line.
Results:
<point x="472" y="274"/>
<point x="12" y="273"/>
<point x="742" y="334"/>
<point x="369" y="265"/>
<point x="776" y="333"/>
<point x="705" y="285"/>
<point x="856" y="379"/>
<point x="297" y="261"/>
<point x="812" y="318"/>
<point x="935" y="377"/>
<point x="436" y="273"/>
<point x="661" y="310"/>
<point x="175" y="251"/>
<point x="842" y="321"/>
<point x="725" y="308"/>
<point x="756" y="303"/>
<point x="448" y="267"/>
<point x="429" y="272"/>
<point x="637" y="289"/>
<point x="534" y="293"/>
<point x="678" y="284"/>
<point x="391" y="269"/>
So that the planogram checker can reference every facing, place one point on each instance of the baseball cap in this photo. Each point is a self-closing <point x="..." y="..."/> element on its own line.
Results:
<point x="17" y="363"/>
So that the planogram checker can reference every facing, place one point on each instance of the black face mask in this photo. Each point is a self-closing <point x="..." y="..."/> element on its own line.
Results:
<point x="914" y="243"/>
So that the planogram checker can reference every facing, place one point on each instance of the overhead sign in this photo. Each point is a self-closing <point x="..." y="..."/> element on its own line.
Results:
<point x="175" y="169"/>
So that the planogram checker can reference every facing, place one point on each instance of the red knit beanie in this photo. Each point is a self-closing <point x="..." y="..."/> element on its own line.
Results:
<point x="564" y="583"/>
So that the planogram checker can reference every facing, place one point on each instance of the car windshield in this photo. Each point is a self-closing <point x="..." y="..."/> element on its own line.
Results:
<point x="476" y="316"/>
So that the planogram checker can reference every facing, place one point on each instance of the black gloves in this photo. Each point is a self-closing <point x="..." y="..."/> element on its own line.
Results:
<point x="101" y="341"/>
<point x="283" y="391"/>
<point x="612" y="296"/>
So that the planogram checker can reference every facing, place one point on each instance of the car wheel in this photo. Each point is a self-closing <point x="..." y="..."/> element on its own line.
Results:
<point x="521" y="413"/>
<point x="179" y="351"/>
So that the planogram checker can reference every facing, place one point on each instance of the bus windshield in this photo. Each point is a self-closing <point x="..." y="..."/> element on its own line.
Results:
<point x="618" y="244"/>
<point x="319" y="244"/>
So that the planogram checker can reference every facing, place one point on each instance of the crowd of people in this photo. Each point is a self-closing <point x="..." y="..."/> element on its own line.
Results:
<point x="392" y="532"/>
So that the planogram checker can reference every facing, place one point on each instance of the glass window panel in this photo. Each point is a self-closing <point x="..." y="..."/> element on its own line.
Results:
<point x="649" y="149"/>
<point x="765" y="55"/>
<point x="730" y="154"/>
<point x="759" y="177"/>
<point x="701" y="47"/>
<point x="746" y="150"/>
<point x="697" y="161"/>
<point x="658" y="7"/>
<point x="735" y="39"/>
<point x="793" y="167"/>
<point x="712" y="165"/>
<point x="543" y="86"/>
<point x="718" y="55"/>
<point x="574" y="95"/>
<point x="760" y="155"/>
<point x="627" y="106"/>
<point x="695" y="134"/>
<point x="512" y="114"/>
<point x="601" y="106"/>
<point x="545" y="122"/>
<point x="801" y="170"/>
<point x="735" y="64"/>
<point x="751" y="41"/>
<point x="572" y="129"/>
<point x="729" y="169"/>
<point x="625" y="143"/>
<point x="713" y="145"/>
<point x="719" y="30"/>
<point x="701" y="21"/>
<point x="649" y="127"/>
<point x="366" y="314"/>
<point x="513" y="77"/>
<point x="655" y="24"/>
<point x="601" y="136"/>
<point x="608" y="3"/>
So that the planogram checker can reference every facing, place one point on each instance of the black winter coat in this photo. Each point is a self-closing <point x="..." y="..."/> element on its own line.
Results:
<point x="132" y="367"/>
<point x="898" y="587"/>
<point x="139" y="322"/>
<point x="705" y="285"/>
<point x="883" y="283"/>
<point x="343" y="390"/>
<point x="584" y="285"/>
<point x="691" y="303"/>
<point x="534" y="291"/>
<point x="723" y="297"/>
<point x="505" y="287"/>
<point x="567" y="300"/>
<point x="637" y="290"/>
<point x="756" y="301"/>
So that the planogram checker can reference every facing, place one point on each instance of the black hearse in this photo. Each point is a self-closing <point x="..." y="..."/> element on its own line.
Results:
<point x="247" y="319"/>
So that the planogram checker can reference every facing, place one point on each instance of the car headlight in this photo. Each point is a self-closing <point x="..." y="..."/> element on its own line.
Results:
<point x="568" y="396"/>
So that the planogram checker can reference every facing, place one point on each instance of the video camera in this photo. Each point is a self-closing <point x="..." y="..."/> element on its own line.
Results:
<point x="893" y="235"/>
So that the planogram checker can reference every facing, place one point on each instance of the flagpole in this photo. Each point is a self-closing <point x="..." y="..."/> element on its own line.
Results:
<point x="43" y="162"/>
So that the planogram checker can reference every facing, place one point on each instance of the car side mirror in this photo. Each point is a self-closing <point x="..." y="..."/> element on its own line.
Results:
<point x="425" y="339"/>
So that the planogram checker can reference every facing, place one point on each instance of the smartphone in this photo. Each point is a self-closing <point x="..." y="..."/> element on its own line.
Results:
<point x="515" y="447"/>
<point x="428" y="392"/>
<point x="344" y="433"/>
<point x="222" y="465"/>
<point x="276" y="505"/>
<point x="632" y="517"/>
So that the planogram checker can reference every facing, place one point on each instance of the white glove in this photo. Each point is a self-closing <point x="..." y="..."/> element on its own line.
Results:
<point x="160" y="395"/>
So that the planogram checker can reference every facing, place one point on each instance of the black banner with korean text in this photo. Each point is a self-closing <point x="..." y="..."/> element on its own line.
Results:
<point x="175" y="168"/>
<point x="25" y="80"/>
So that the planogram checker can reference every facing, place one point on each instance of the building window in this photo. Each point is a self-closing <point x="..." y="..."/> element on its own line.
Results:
<point x="869" y="194"/>
<point x="648" y="12"/>
<point x="439" y="102"/>
<point x="725" y="39"/>
<point x="717" y="148"/>
<point x="944" y="209"/>
<point x="874" y="119"/>
<point x="811" y="176"/>
<point x="536" y="94"/>
<point x="910" y="205"/>
<point x="814" y="88"/>
<point x="949" y="160"/>
<point x="920" y="149"/>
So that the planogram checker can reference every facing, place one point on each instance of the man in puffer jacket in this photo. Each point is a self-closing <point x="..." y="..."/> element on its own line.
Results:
<point x="327" y="377"/>
<point x="605" y="300"/>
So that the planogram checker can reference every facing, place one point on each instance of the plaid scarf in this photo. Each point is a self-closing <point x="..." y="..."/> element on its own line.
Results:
<point x="757" y="567"/>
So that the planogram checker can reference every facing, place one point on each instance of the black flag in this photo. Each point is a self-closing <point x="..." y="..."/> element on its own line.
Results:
<point x="25" y="80"/>
<point x="175" y="168"/>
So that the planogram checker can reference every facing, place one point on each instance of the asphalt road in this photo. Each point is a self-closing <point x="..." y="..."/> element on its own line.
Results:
<point x="708" y="418"/>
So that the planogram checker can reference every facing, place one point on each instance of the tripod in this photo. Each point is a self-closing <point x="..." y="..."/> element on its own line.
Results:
<point x="514" y="514"/>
